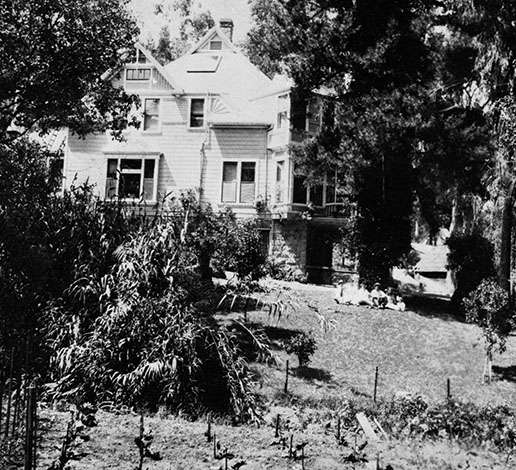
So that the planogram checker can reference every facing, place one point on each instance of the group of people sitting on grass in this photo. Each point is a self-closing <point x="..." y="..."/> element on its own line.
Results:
<point x="357" y="294"/>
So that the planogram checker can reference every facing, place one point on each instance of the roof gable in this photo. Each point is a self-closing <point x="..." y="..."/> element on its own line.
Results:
<point x="214" y="34"/>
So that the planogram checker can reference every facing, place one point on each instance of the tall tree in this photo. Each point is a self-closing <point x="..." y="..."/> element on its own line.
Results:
<point x="402" y="130"/>
<point x="191" y="23"/>
<point x="53" y="55"/>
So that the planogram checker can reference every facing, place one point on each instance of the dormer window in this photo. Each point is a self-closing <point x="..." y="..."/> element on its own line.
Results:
<point x="197" y="112"/>
<point x="134" y="74"/>
<point x="216" y="45"/>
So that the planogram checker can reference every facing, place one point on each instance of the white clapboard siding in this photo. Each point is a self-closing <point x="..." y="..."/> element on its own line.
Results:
<point x="180" y="162"/>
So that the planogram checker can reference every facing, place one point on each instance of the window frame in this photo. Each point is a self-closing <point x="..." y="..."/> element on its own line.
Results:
<point x="189" y="117"/>
<point x="217" y="41"/>
<point x="239" y="183"/>
<point x="152" y="131"/>
<point x="119" y="157"/>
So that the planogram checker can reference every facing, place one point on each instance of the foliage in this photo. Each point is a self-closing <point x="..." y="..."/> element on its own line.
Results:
<point x="397" y="127"/>
<point x="242" y="250"/>
<point x="471" y="260"/>
<point x="303" y="345"/>
<point x="191" y="22"/>
<point x="410" y="416"/>
<point x="53" y="57"/>
<point x="489" y="307"/>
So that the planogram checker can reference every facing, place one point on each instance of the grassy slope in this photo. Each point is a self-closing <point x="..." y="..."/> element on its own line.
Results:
<point x="415" y="352"/>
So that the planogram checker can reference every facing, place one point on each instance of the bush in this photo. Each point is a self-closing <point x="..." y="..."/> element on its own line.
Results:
<point x="303" y="345"/>
<point x="471" y="259"/>
<point x="242" y="250"/>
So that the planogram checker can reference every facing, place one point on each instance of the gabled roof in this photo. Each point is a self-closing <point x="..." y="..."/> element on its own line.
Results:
<point x="217" y="71"/>
<point x="158" y="66"/>
<point x="214" y="31"/>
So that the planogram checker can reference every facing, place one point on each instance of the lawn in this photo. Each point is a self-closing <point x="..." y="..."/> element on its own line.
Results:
<point x="416" y="352"/>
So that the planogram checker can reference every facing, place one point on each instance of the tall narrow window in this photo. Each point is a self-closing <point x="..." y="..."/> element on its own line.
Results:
<point x="299" y="196"/>
<point x="197" y="112"/>
<point x="316" y="195"/>
<point x="280" y="168"/>
<point x="247" y="182"/>
<point x="151" y="115"/>
<point x="111" y="178"/>
<point x="229" y="182"/>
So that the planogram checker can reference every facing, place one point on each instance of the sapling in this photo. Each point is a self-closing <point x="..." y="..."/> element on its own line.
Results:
<point x="489" y="307"/>
<point x="303" y="345"/>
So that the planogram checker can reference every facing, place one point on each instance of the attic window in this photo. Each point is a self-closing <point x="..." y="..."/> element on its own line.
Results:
<point x="216" y="45"/>
<point x="138" y="74"/>
<point x="199" y="63"/>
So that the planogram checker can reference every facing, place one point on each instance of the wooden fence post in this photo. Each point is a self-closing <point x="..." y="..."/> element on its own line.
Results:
<point x="9" y="393"/>
<point x="375" y="384"/>
<point x="286" y="379"/>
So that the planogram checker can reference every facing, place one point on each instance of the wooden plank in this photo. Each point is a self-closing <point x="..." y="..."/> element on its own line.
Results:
<point x="367" y="427"/>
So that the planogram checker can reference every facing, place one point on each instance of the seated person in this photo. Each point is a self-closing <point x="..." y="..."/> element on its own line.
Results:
<point x="341" y="296"/>
<point x="395" y="301"/>
<point x="378" y="297"/>
<point x="362" y="296"/>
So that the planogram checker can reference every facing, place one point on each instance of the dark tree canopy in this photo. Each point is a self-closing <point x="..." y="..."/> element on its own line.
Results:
<point x="53" y="55"/>
<point x="401" y="130"/>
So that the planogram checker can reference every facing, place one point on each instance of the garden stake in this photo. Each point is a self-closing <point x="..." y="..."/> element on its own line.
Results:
<point x="29" y="431"/>
<point x="286" y="379"/>
<point x="208" y="431"/>
<point x="338" y="429"/>
<point x="9" y="392"/>
<point x="303" y="458"/>
<point x="448" y="391"/>
<point x="16" y="408"/>
<point x="375" y="383"/>
<point x="1" y="397"/>
<point x="290" y="446"/>
<point x="141" y="446"/>
<point x="226" y="458"/>
<point x="276" y="434"/>
<point x="214" y="445"/>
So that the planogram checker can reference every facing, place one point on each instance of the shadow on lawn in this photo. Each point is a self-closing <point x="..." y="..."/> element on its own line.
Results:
<point x="505" y="373"/>
<point x="312" y="373"/>
<point x="433" y="308"/>
<point x="276" y="334"/>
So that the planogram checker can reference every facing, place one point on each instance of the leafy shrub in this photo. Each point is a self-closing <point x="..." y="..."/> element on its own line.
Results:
<point x="471" y="259"/>
<point x="242" y="250"/>
<point x="409" y="415"/>
<point x="303" y="345"/>
<point x="489" y="307"/>
<point x="153" y="341"/>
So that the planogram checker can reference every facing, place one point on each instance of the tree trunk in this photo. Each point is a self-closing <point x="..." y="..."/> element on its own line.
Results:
<point x="454" y="214"/>
<point x="504" y="270"/>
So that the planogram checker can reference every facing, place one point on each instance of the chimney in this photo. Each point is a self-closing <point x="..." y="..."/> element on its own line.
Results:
<point x="226" y="25"/>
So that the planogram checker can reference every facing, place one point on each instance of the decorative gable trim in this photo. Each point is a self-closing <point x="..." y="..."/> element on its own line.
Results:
<point x="159" y="68"/>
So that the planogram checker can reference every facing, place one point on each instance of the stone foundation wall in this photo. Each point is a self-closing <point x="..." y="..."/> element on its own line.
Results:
<point x="288" y="249"/>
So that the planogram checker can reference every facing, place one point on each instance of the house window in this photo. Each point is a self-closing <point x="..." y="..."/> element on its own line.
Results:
<point x="282" y="116"/>
<point x="216" y="45"/>
<point x="300" y="190"/>
<point x="151" y="115"/>
<point x="131" y="178"/>
<point x="138" y="74"/>
<point x="141" y="57"/>
<point x="280" y="169"/>
<point x="239" y="182"/>
<point x="197" y="112"/>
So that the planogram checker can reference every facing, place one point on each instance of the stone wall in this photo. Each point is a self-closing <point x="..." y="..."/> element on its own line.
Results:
<point x="288" y="249"/>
